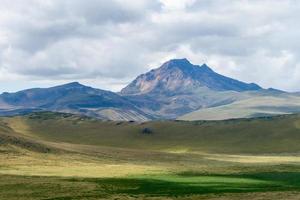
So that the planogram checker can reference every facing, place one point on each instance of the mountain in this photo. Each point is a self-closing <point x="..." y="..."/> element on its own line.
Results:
<point x="179" y="87"/>
<point x="72" y="98"/>
<point x="179" y="75"/>
<point x="175" y="90"/>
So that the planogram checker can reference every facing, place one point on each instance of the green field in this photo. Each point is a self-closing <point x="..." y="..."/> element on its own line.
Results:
<point x="62" y="156"/>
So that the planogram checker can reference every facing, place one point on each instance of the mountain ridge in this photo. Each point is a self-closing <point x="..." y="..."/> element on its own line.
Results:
<point x="174" y="89"/>
<point x="71" y="97"/>
<point x="178" y="73"/>
<point x="179" y="87"/>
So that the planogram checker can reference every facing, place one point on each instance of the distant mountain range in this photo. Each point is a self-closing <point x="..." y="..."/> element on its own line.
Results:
<point x="72" y="98"/>
<point x="177" y="89"/>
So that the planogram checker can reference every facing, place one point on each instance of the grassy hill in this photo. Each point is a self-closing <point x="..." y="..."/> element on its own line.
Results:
<point x="260" y="135"/>
<point x="248" y="108"/>
<point x="63" y="156"/>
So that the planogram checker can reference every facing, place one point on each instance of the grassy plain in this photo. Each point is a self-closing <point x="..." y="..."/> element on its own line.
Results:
<point x="61" y="156"/>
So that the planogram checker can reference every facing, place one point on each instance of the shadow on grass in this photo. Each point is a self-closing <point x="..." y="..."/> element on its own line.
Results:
<point x="191" y="184"/>
<point x="163" y="185"/>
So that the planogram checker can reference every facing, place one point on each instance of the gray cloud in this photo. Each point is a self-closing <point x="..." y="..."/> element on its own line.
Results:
<point x="94" y="40"/>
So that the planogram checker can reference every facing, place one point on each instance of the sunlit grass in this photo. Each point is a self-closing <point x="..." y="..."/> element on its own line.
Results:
<point x="56" y="156"/>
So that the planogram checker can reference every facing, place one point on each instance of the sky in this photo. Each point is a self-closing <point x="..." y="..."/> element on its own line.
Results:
<point x="107" y="43"/>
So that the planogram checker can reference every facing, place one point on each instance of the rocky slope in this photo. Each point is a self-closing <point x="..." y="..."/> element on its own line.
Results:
<point x="179" y="87"/>
<point x="179" y="75"/>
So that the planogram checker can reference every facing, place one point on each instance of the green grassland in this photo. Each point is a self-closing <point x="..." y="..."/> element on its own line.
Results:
<point x="248" y="108"/>
<point x="63" y="156"/>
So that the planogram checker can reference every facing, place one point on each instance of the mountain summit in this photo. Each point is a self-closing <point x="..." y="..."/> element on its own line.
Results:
<point x="180" y="74"/>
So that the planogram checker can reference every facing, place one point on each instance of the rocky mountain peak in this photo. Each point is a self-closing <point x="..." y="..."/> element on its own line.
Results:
<point x="184" y="65"/>
<point x="177" y="63"/>
<point x="178" y="75"/>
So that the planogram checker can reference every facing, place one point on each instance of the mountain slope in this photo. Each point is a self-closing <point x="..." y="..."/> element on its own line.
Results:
<point x="248" y="108"/>
<point x="179" y="87"/>
<point x="180" y="74"/>
<point x="73" y="98"/>
<point x="168" y="92"/>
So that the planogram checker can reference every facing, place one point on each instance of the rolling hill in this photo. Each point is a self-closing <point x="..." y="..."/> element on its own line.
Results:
<point x="259" y="135"/>
<point x="248" y="108"/>
<point x="49" y="155"/>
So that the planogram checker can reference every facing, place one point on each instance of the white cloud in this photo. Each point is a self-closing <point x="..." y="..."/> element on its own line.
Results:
<point x="107" y="43"/>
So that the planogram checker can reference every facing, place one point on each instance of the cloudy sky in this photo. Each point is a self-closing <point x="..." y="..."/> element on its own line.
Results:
<point x="107" y="43"/>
